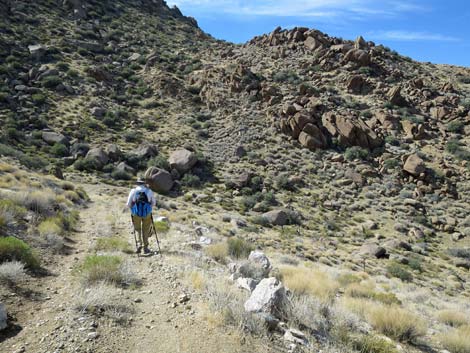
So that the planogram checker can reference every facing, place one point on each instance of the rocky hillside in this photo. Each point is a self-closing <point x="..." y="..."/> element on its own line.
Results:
<point x="329" y="151"/>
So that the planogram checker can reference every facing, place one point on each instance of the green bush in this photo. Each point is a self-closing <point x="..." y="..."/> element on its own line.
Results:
<point x="452" y="146"/>
<point x="159" y="162"/>
<point x="38" y="98"/>
<point x="119" y="174"/>
<point x="371" y="344"/>
<point x="59" y="150"/>
<point x="161" y="226"/>
<point x="239" y="248"/>
<point x="455" y="127"/>
<point x="356" y="152"/>
<point x="101" y="268"/>
<point x="86" y="164"/>
<point x="14" y="249"/>
<point x="51" y="81"/>
<point x="394" y="269"/>
<point x="113" y="244"/>
<point x="191" y="180"/>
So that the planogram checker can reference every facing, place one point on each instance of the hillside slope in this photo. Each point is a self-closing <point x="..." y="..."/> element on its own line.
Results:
<point x="342" y="155"/>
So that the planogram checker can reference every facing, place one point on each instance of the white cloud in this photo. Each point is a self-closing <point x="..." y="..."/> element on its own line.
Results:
<point x="301" y="8"/>
<point x="411" y="36"/>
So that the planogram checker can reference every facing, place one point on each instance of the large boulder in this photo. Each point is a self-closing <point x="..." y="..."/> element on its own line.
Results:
<point x="98" y="156"/>
<point x="3" y="317"/>
<point x="114" y="152"/>
<point x="373" y="250"/>
<point x="52" y="138"/>
<point x="358" y="56"/>
<point x="395" y="97"/>
<point x="182" y="160"/>
<point x="414" y="165"/>
<point x="277" y="217"/>
<point x="145" y="151"/>
<point x="356" y="84"/>
<point x="269" y="296"/>
<point x="159" y="180"/>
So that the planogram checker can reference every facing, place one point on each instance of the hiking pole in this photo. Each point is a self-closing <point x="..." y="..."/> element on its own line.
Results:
<point x="156" y="236"/>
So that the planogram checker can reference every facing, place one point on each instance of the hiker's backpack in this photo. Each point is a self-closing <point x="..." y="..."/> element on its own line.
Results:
<point x="142" y="206"/>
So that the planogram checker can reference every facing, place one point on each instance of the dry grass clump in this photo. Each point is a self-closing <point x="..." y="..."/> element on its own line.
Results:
<point x="453" y="318"/>
<point x="218" y="252"/>
<point x="197" y="280"/>
<point x="113" y="243"/>
<point x="358" y="306"/>
<point x="41" y="202"/>
<point x="103" y="298"/>
<point x="367" y="290"/>
<point x="372" y="344"/>
<point x="106" y="268"/>
<point x="301" y="280"/>
<point x="11" y="272"/>
<point x="49" y="226"/>
<point x="397" y="323"/>
<point x="457" y="340"/>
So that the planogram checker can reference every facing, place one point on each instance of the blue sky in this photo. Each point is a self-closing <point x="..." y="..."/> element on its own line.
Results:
<point x="435" y="31"/>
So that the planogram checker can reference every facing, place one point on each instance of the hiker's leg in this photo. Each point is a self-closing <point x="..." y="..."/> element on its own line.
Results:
<point x="146" y="229"/>
<point x="138" y="229"/>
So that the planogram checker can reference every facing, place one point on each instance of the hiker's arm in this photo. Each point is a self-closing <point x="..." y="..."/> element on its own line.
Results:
<point x="130" y="199"/>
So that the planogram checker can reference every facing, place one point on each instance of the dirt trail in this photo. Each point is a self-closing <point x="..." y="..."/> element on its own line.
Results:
<point x="166" y="316"/>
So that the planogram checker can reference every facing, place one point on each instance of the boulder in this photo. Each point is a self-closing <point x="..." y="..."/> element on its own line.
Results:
<point x="182" y="160"/>
<point x="124" y="167"/>
<point x="394" y="96"/>
<point x="373" y="250"/>
<point x="356" y="84"/>
<point x="3" y="317"/>
<point x="260" y="259"/>
<point x="37" y="50"/>
<point x="360" y="43"/>
<point x="358" y="56"/>
<point x="99" y="156"/>
<point x="247" y="283"/>
<point x="98" y="112"/>
<point x="269" y="296"/>
<point x="114" y="152"/>
<point x="79" y="149"/>
<point x="52" y="138"/>
<point x="312" y="43"/>
<point x="413" y="130"/>
<point x="134" y="57"/>
<point x="277" y="217"/>
<point x="159" y="180"/>
<point x="414" y="165"/>
<point x="145" y="151"/>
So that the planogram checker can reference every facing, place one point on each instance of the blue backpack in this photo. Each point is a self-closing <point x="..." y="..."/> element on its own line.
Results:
<point x="142" y="206"/>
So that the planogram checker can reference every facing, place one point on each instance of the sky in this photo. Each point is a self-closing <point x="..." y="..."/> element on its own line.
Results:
<point x="434" y="31"/>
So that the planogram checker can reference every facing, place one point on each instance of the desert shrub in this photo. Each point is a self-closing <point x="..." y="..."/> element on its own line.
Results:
<point x="113" y="243"/>
<point x="59" y="150"/>
<point x="159" y="162"/>
<point x="161" y="226"/>
<point x="38" y="201"/>
<point x="282" y="182"/>
<point x="218" y="252"/>
<point x="107" y="268"/>
<point x="239" y="248"/>
<point x="54" y="242"/>
<point x="38" y="98"/>
<point x="197" y="280"/>
<point x="14" y="249"/>
<point x="452" y="146"/>
<point x="453" y="318"/>
<point x="11" y="272"/>
<point x="286" y="76"/>
<point x="118" y="174"/>
<point x="260" y="220"/>
<point x="457" y="340"/>
<point x="50" y="226"/>
<point x="346" y="279"/>
<point x="9" y="212"/>
<point x="51" y="81"/>
<point x="397" y="270"/>
<point x="307" y="312"/>
<point x="191" y="180"/>
<point x="302" y="281"/>
<point x="397" y="323"/>
<point x="373" y="344"/>
<point x="356" y="290"/>
<point x="355" y="152"/>
<point x="455" y="126"/>
<point x="86" y="164"/>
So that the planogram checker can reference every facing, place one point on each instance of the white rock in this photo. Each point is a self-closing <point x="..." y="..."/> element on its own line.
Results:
<point x="260" y="258"/>
<point x="295" y="336"/>
<point x="268" y="296"/>
<point x="247" y="283"/>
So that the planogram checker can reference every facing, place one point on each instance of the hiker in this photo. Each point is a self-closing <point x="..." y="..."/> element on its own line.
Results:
<point x="140" y="202"/>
